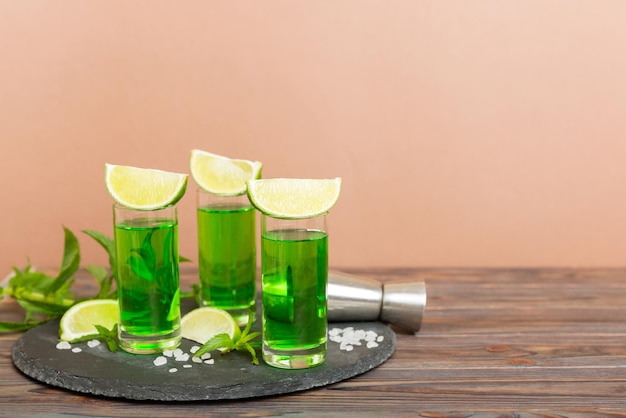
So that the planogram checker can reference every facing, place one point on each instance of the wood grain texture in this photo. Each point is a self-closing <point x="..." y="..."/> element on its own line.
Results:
<point x="494" y="342"/>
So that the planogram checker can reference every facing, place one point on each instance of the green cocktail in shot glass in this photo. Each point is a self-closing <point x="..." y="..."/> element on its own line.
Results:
<point x="227" y="253"/>
<point x="294" y="267"/>
<point x="145" y="224"/>
<point x="148" y="285"/>
<point x="226" y="233"/>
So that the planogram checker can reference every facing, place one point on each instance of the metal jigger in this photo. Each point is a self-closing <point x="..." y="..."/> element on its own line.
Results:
<point x="353" y="298"/>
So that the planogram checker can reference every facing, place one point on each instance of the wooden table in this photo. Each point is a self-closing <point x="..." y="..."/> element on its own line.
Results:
<point x="542" y="342"/>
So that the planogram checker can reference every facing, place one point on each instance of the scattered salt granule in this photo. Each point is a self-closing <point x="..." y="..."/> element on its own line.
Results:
<point x="173" y="370"/>
<point x="196" y="359"/>
<point x="160" y="361"/>
<point x="205" y="356"/>
<point x="209" y="361"/>
<point x="372" y="344"/>
<point x="178" y="352"/>
<point x="370" y="336"/>
<point x="168" y="353"/>
<point x="345" y="346"/>
<point x="76" y="350"/>
<point x="64" y="345"/>
<point x="187" y="366"/>
<point x="182" y="357"/>
<point x="93" y="343"/>
<point x="380" y="338"/>
<point x="193" y="349"/>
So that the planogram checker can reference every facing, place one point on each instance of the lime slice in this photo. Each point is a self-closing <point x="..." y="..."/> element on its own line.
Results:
<point x="202" y="324"/>
<point x="294" y="198"/>
<point x="222" y="175"/>
<point x="80" y="319"/>
<point x="144" y="188"/>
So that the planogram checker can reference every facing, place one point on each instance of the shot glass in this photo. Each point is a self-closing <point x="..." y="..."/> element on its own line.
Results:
<point x="227" y="253"/>
<point x="294" y="263"/>
<point x="146" y="247"/>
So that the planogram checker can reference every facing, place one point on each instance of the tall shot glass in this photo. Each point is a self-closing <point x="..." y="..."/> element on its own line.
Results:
<point x="294" y="263"/>
<point x="146" y="246"/>
<point x="227" y="253"/>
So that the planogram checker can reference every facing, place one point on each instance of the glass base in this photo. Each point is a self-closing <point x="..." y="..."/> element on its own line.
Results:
<point x="295" y="359"/>
<point x="239" y="313"/>
<point x="151" y="344"/>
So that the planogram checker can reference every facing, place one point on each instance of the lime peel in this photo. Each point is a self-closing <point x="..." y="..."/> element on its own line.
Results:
<point x="292" y="198"/>
<point x="144" y="188"/>
<point x="202" y="324"/>
<point x="221" y="175"/>
<point x="81" y="319"/>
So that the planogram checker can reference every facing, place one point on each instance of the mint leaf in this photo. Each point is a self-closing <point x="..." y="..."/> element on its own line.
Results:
<point x="218" y="342"/>
<point x="69" y="264"/>
<point x="107" y="243"/>
<point x="105" y="279"/>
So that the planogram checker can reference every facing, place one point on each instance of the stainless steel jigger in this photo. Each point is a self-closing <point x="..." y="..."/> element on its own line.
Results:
<point x="353" y="298"/>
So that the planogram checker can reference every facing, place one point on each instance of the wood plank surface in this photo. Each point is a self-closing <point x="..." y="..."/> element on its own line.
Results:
<point x="494" y="342"/>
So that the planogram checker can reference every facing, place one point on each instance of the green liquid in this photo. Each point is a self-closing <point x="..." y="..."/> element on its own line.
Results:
<point x="227" y="253"/>
<point x="295" y="275"/>
<point x="148" y="280"/>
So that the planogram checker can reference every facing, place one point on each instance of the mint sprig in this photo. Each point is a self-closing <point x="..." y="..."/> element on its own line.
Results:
<point x="109" y="336"/>
<point x="226" y="344"/>
<point x="44" y="297"/>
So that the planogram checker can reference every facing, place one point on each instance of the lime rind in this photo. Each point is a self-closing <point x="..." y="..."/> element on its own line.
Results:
<point x="81" y="318"/>
<point x="144" y="188"/>
<point x="290" y="198"/>
<point x="201" y="324"/>
<point x="221" y="175"/>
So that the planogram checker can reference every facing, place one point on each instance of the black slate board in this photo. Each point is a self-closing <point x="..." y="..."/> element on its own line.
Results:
<point x="98" y="371"/>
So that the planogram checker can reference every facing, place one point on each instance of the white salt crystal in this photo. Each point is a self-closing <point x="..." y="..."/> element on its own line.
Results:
<point x="93" y="343"/>
<point x="168" y="353"/>
<point x="160" y="361"/>
<point x="372" y="344"/>
<point x="334" y="331"/>
<point x="380" y="338"/>
<point x="173" y="370"/>
<point x="64" y="345"/>
<point x="196" y="359"/>
<point x="209" y="361"/>
<point x="182" y="357"/>
<point x="187" y="366"/>
<point x="194" y="349"/>
<point x="178" y="352"/>
<point x="205" y="356"/>
<point x="76" y="350"/>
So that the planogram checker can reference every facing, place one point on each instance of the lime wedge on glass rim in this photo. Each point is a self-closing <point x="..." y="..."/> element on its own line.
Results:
<point x="81" y="319"/>
<point x="221" y="175"/>
<point x="202" y="324"/>
<point x="144" y="188"/>
<point x="294" y="198"/>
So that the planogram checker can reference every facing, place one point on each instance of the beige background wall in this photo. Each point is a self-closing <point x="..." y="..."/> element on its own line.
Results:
<point x="468" y="133"/>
